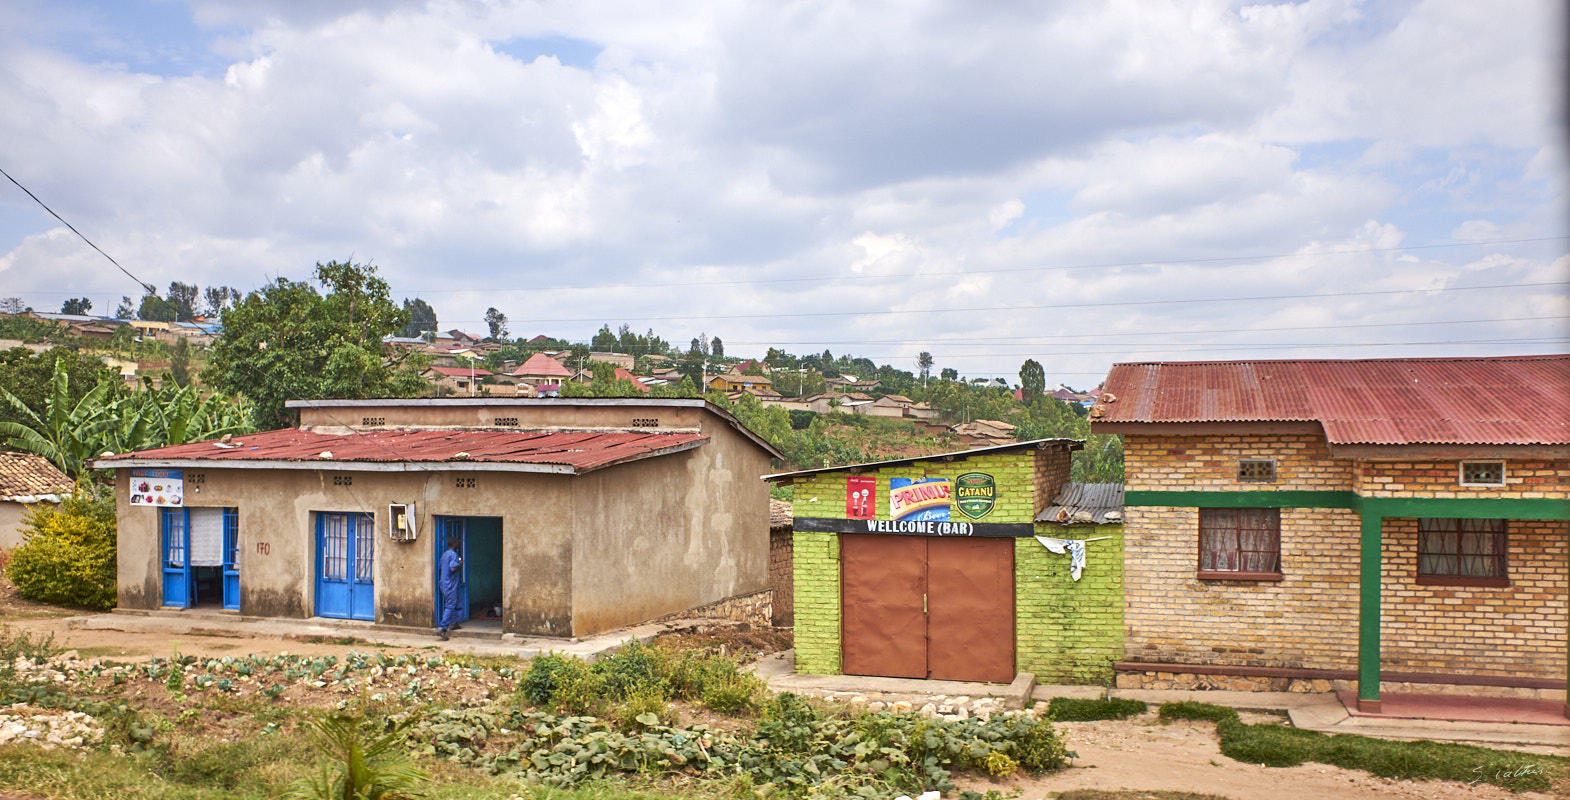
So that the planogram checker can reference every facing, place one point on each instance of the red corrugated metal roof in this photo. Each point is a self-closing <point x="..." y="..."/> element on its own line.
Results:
<point x="625" y="375"/>
<point x="1517" y="400"/>
<point x="462" y="372"/>
<point x="542" y="365"/>
<point x="580" y="450"/>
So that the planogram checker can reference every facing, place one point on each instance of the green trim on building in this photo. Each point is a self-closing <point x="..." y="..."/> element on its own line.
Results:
<point x="1369" y="581"/>
<point x="1469" y="507"/>
<point x="1254" y="499"/>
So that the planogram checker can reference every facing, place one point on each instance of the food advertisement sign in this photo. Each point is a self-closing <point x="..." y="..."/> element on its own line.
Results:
<point x="157" y="487"/>
<point x="975" y="493"/>
<point x="861" y="497"/>
<point x="925" y="499"/>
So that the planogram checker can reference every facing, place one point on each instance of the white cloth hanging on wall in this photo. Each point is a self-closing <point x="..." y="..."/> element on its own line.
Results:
<point x="1075" y="548"/>
<point x="207" y="537"/>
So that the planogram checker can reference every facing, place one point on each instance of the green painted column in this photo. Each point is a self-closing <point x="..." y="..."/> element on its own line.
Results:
<point x="1370" y="576"/>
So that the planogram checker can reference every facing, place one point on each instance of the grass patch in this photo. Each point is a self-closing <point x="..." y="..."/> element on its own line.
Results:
<point x="1274" y="745"/>
<point x="104" y="650"/>
<point x="1068" y="709"/>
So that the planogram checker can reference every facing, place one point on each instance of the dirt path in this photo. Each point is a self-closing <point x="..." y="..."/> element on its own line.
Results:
<point x="1185" y="756"/>
<point x="1137" y="754"/>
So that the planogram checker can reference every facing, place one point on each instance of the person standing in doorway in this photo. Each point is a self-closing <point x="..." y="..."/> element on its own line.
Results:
<point x="451" y="572"/>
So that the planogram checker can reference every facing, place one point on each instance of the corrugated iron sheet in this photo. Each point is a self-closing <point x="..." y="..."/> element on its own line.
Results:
<point x="582" y="450"/>
<point x="1517" y="400"/>
<point x="1085" y="502"/>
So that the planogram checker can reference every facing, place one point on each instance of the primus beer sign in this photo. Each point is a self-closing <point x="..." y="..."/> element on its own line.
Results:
<point x="926" y="499"/>
<point x="975" y="493"/>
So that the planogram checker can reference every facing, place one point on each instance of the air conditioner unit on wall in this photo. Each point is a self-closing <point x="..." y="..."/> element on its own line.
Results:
<point x="403" y="524"/>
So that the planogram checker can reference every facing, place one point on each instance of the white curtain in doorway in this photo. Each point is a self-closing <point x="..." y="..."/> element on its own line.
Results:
<point x="207" y="537"/>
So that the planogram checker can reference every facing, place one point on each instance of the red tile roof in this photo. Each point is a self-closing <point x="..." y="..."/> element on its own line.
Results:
<point x="574" y="451"/>
<point x="625" y="375"/>
<point x="542" y="366"/>
<point x="461" y="372"/>
<point x="1517" y="400"/>
<point x="28" y="475"/>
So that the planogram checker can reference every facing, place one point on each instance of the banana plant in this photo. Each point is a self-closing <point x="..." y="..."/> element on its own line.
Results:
<point x="58" y="433"/>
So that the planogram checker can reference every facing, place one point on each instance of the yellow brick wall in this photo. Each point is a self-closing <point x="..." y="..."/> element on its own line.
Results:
<point x="1516" y="631"/>
<point x="1523" y="479"/>
<point x="1198" y="463"/>
<point x="1306" y="620"/>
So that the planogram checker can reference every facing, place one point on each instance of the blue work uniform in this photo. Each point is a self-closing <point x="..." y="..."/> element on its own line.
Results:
<point x="451" y="578"/>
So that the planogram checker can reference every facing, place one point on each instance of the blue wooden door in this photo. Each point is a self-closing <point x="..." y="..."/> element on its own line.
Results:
<point x="175" y="534"/>
<point x="232" y="558"/>
<point x="345" y="560"/>
<point x="448" y="527"/>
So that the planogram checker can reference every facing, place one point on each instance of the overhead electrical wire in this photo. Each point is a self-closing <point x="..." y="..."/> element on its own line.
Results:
<point x="490" y="290"/>
<point x="147" y="287"/>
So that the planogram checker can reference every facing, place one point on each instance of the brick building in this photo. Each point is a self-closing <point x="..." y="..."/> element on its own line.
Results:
<point x="1322" y="523"/>
<point x="930" y="567"/>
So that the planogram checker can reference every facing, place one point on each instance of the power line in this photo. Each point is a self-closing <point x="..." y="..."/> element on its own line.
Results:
<point x="147" y="287"/>
<point x="1002" y="271"/>
<point x="1115" y="304"/>
<point x="1032" y="339"/>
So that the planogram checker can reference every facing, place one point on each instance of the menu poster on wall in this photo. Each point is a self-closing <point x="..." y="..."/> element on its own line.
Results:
<point x="861" y="497"/>
<point x="157" y="487"/>
<point x="926" y="499"/>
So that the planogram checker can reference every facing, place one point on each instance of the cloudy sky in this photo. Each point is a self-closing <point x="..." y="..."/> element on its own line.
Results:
<point x="1074" y="182"/>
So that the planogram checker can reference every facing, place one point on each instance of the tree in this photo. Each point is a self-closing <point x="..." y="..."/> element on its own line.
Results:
<point x="28" y="376"/>
<point x="1032" y="380"/>
<point x="126" y="310"/>
<point x="180" y="362"/>
<point x="924" y="364"/>
<point x="285" y="341"/>
<point x="218" y="299"/>
<point x="422" y="318"/>
<point x="949" y="374"/>
<point x="604" y="341"/>
<point x="157" y="309"/>
<point x="183" y="297"/>
<point x="496" y="321"/>
<point x="12" y="305"/>
<point x="76" y="305"/>
<point x="717" y="347"/>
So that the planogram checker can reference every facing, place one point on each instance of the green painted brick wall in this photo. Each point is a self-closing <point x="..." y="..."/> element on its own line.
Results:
<point x="1066" y="632"/>
<point x="817" y="574"/>
<point x="1069" y="632"/>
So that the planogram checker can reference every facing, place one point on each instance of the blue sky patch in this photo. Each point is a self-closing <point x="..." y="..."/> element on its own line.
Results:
<point x="567" y="50"/>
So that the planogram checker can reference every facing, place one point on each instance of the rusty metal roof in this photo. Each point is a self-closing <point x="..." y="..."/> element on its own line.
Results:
<point x="569" y="452"/>
<point x="1516" y="400"/>
<point x="1084" y="503"/>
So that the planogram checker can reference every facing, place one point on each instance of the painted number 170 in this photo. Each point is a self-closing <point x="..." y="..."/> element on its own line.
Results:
<point x="263" y="548"/>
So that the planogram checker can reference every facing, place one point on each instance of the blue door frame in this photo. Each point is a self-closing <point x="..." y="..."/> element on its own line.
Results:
<point x="174" y="526"/>
<point x="345" y="566"/>
<point x="175" y="535"/>
<point x="459" y="527"/>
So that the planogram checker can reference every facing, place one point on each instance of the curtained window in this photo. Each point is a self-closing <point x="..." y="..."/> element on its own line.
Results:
<point x="1462" y="551"/>
<point x="1240" y="543"/>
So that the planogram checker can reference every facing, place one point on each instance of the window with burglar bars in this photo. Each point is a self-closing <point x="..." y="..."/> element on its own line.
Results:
<point x="364" y="542"/>
<point x="335" y="546"/>
<point x="173" y="524"/>
<point x="1462" y="551"/>
<point x="1482" y="473"/>
<point x="232" y="536"/>
<point x="1256" y="470"/>
<point x="1240" y="543"/>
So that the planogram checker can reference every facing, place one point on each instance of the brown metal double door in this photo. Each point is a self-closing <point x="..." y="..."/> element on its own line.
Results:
<point x="927" y="607"/>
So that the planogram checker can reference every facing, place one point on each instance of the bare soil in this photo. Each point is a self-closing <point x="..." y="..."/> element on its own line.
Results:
<point x="1137" y="754"/>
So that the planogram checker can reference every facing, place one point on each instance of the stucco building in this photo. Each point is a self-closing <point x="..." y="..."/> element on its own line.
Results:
<point x="576" y="515"/>
<point x="1345" y="523"/>
<point x="25" y="481"/>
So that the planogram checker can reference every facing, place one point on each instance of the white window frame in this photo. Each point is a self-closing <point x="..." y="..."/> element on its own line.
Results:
<point x="1461" y="472"/>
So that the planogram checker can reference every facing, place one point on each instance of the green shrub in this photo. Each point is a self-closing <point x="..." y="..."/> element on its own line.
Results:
<point x="736" y="698"/>
<point x="644" y="708"/>
<point x="636" y="667"/>
<point x="1067" y="709"/>
<point x="562" y="682"/>
<point x="67" y="556"/>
